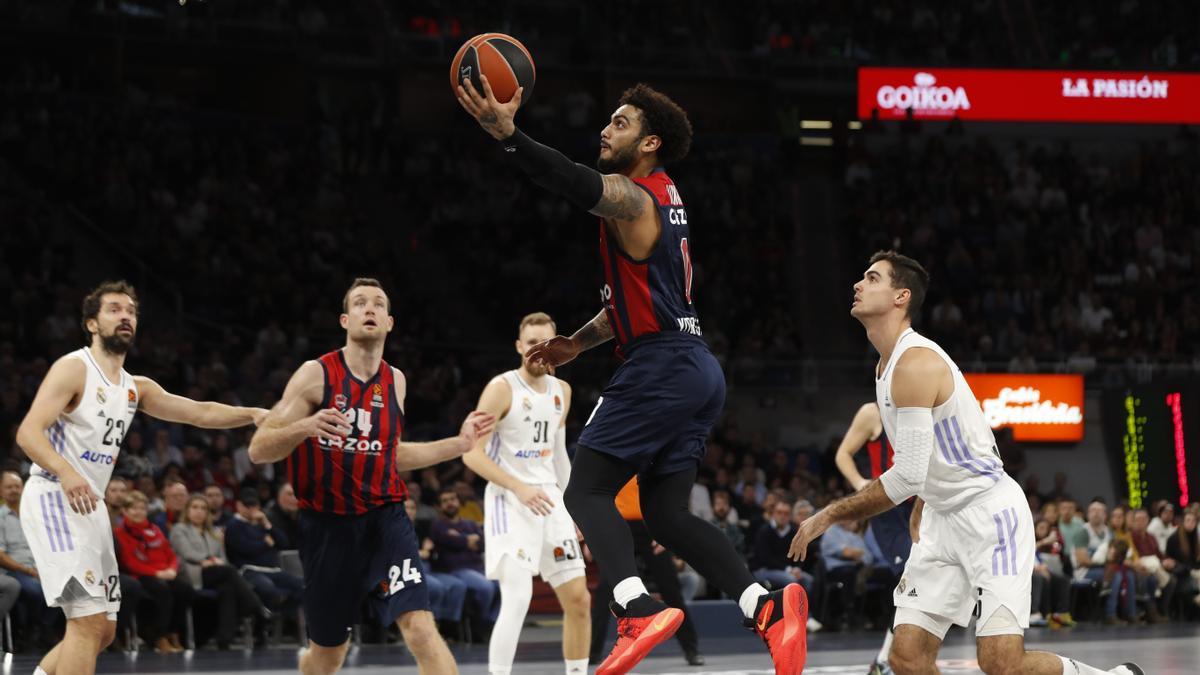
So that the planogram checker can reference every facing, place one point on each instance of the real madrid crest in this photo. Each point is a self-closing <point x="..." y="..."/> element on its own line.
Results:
<point x="527" y="404"/>
<point x="89" y="578"/>
<point x="902" y="585"/>
<point x="101" y="397"/>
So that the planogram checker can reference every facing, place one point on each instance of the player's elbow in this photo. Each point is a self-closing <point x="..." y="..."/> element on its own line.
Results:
<point x="900" y="485"/>
<point x="257" y="450"/>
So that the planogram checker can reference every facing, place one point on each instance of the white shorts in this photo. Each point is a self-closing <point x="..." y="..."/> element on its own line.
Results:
<point x="971" y="562"/>
<point x="75" y="555"/>
<point x="544" y="545"/>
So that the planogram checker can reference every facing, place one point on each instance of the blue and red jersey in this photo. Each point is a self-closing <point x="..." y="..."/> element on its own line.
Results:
<point x="644" y="298"/>
<point x="353" y="475"/>
<point x="879" y="457"/>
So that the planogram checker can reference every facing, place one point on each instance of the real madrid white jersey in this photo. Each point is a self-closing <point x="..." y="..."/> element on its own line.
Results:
<point x="965" y="463"/>
<point x="523" y="442"/>
<point x="89" y="437"/>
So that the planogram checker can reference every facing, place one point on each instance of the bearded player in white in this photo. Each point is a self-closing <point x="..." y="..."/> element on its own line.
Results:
<point x="527" y="530"/>
<point x="73" y="433"/>
<point x="974" y="555"/>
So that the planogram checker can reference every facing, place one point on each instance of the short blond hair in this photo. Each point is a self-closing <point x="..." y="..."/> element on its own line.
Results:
<point x="536" y="319"/>
<point x="135" y="497"/>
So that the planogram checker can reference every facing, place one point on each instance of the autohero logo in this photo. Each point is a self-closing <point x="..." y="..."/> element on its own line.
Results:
<point x="924" y="96"/>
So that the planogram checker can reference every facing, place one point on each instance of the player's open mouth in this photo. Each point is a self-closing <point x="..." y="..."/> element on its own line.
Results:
<point x="370" y="322"/>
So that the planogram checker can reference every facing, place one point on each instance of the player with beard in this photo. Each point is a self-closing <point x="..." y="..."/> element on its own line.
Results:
<point x="526" y="530"/>
<point x="73" y="434"/>
<point x="339" y="425"/>
<point x="655" y="415"/>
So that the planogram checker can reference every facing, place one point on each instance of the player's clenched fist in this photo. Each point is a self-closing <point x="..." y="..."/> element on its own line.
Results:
<point x="327" y="424"/>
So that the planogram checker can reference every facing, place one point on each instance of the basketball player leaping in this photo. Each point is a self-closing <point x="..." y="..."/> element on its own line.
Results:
<point x="656" y="413"/>
<point x="975" y="551"/>
<point x="527" y="530"/>
<point x="891" y="528"/>
<point x="339" y="425"/>
<point x="73" y="433"/>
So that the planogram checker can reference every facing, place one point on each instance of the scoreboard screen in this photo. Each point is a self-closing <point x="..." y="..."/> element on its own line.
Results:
<point x="1152" y="437"/>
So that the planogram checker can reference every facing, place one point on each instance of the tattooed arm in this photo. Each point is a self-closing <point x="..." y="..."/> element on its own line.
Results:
<point x="560" y="350"/>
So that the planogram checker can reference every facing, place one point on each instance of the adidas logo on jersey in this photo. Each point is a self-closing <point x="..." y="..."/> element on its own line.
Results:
<point x="101" y="414"/>
<point x="913" y="593"/>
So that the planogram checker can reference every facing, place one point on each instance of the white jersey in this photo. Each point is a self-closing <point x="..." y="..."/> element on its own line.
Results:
<point x="965" y="463"/>
<point x="89" y="437"/>
<point x="523" y="442"/>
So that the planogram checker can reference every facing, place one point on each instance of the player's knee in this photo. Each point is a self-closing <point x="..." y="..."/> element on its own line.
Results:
<point x="575" y="598"/>
<point x="321" y="660"/>
<point x="94" y="628"/>
<point x="909" y="657"/>
<point x="420" y="632"/>
<point x="109" y="634"/>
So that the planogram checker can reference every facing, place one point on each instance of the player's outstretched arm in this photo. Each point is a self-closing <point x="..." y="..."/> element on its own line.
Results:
<point x="495" y="400"/>
<point x="411" y="456"/>
<point x="162" y="404"/>
<point x="915" y="389"/>
<point x="63" y="384"/>
<point x="560" y="350"/>
<point x="611" y="196"/>
<point x="864" y="423"/>
<point x="292" y="419"/>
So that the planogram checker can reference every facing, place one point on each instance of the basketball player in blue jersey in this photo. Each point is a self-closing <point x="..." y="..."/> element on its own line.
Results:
<point x="974" y="552"/>
<point x="890" y="528"/>
<point x="655" y="415"/>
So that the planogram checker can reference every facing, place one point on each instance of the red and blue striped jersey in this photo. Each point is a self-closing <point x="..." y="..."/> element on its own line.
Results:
<point x="879" y="457"/>
<point x="357" y="474"/>
<point x="653" y="296"/>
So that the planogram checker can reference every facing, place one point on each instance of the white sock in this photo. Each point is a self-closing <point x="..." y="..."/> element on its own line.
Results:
<point x="516" y="590"/>
<point x="576" y="666"/>
<point x="38" y="671"/>
<point x="749" y="600"/>
<point x="627" y="590"/>
<point x="1073" y="667"/>
<point x="887" y="647"/>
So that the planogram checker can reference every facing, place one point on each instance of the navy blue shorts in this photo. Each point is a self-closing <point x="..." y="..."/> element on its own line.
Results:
<point x="348" y="559"/>
<point x="892" y="533"/>
<point x="659" y="407"/>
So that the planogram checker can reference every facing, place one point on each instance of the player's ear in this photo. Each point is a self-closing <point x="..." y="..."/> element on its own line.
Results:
<point x="902" y="296"/>
<point x="651" y="143"/>
<point x="344" y="320"/>
<point x="391" y="323"/>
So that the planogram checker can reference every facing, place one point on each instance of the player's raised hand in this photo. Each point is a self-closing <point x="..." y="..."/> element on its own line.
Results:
<point x="552" y="353"/>
<point x="79" y="492"/>
<point x="535" y="498"/>
<point x="327" y="424"/>
<point x="477" y="425"/>
<point x="495" y="117"/>
<point x="812" y="527"/>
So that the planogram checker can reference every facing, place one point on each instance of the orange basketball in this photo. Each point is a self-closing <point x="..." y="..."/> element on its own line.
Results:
<point x="502" y="58"/>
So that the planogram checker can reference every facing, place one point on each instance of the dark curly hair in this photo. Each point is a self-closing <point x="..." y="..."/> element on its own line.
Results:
<point x="661" y="117"/>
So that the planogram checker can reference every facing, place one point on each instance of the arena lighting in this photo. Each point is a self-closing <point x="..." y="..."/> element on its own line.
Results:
<point x="1134" y="444"/>
<point x="854" y="125"/>
<point x="1138" y="97"/>
<point x="816" y="141"/>
<point x="816" y="124"/>
<point x="1180" y="451"/>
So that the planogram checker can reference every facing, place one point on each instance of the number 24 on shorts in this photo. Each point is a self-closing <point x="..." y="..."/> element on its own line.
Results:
<point x="398" y="578"/>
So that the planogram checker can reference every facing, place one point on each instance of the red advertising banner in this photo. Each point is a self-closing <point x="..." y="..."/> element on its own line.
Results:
<point x="1029" y="95"/>
<point x="1036" y="407"/>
